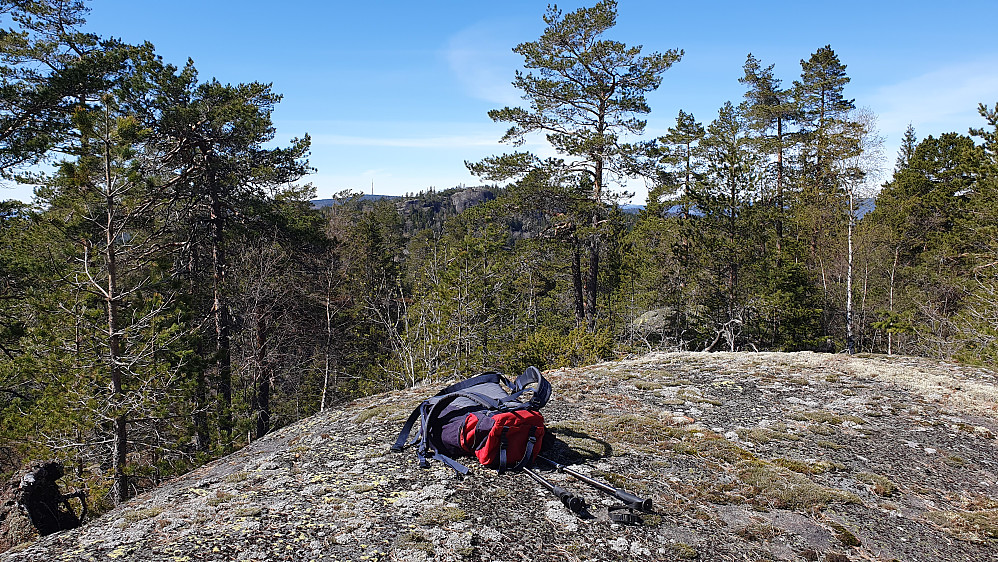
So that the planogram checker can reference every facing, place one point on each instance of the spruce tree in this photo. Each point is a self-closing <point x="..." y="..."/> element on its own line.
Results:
<point x="907" y="150"/>
<point x="828" y="139"/>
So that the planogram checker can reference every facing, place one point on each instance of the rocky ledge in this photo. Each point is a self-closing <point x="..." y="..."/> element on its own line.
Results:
<point x="749" y="456"/>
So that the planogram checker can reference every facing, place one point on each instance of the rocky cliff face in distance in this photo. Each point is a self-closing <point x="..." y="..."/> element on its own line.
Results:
<point x="748" y="456"/>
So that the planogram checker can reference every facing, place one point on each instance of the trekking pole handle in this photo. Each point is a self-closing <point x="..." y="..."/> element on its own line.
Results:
<point x="633" y="501"/>
<point x="643" y="504"/>
<point x="570" y="500"/>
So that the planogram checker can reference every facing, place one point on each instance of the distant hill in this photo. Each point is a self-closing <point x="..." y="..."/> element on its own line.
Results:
<point x="320" y="203"/>
<point x="863" y="206"/>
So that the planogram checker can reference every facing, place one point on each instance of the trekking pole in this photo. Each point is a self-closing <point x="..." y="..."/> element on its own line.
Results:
<point x="571" y="501"/>
<point x="631" y="500"/>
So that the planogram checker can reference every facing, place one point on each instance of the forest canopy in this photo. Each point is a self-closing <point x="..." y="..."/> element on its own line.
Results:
<point x="173" y="293"/>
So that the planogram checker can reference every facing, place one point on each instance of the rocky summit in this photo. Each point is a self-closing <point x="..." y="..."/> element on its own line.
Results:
<point x="746" y="456"/>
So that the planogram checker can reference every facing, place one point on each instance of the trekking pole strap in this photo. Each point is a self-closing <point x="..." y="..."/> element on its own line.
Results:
<point x="624" y="514"/>
<point x="457" y="466"/>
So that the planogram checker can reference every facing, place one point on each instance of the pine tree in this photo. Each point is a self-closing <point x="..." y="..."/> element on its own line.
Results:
<point x="977" y="320"/>
<point x="725" y="200"/>
<point x="47" y="67"/>
<point x="584" y="99"/>
<point x="109" y="202"/>
<point x="679" y="167"/>
<point x="220" y="131"/>
<point x="924" y="208"/>
<point x="770" y="111"/>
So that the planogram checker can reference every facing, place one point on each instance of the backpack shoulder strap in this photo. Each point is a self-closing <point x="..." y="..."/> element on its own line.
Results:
<point x="400" y="441"/>
<point x="424" y="409"/>
<point x="542" y="390"/>
<point x="473" y="381"/>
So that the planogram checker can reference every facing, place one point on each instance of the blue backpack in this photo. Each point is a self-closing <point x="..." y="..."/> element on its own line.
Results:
<point x="482" y="416"/>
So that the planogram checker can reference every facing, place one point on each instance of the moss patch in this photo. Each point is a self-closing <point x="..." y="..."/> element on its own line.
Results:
<point x="220" y="498"/>
<point x="882" y="486"/>
<point x="594" y="436"/>
<point x="442" y="515"/>
<point x="763" y="435"/>
<point x="714" y="447"/>
<point x="824" y="416"/>
<point x="805" y="467"/>
<point x="136" y="515"/>
<point x="647" y="385"/>
<point x="783" y="488"/>
<point x="236" y="477"/>
<point x="845" y="536"/>
<point x="684" y="551"/>
<point x="249" y="511"/>
<point x="758" y="531"/>
<point x="414" y="540"/>
<point x="386" y="412"/>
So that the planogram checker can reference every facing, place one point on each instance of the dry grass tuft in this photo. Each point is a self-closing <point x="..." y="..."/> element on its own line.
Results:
<point x="968" y="525"/>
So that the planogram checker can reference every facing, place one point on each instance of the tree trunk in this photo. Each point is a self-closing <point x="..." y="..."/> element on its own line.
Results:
<point x="592" y="287"/>
<point x="890" y="302"/>
<point x="328" y="342"/>
<point x="263" y="386"/>
<point x="220" y="311"/>
<point x="200" y="414"/>
<point x="120" y="452"/>
<point x="779" y="191"/>
<point x="580" y="309"/>
<point x="850" y="341"/>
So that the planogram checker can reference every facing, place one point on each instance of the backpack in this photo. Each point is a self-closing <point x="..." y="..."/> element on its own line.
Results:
<point x="46" y="506"/>
<point x="481" y="416"/>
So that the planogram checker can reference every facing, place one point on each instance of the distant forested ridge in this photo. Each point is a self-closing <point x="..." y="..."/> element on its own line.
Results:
<point x="176" y="291"/>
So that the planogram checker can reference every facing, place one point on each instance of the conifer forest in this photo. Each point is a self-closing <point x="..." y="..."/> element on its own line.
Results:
<point x="174" y="293"/>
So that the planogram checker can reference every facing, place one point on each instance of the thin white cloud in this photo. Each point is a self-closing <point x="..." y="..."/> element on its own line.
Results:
<point x="482" y="60"/>
<point x="940" y="101"/>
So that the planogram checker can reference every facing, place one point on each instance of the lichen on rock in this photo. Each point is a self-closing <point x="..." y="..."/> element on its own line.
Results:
<point x="775" y="456"/>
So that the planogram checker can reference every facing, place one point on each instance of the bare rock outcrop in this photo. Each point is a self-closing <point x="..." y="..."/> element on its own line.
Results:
<point x="748" y="456"/>
<point x="467" y="198"/>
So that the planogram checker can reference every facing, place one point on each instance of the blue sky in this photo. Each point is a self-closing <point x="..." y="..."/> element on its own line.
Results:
<point x="395" y="94"/>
